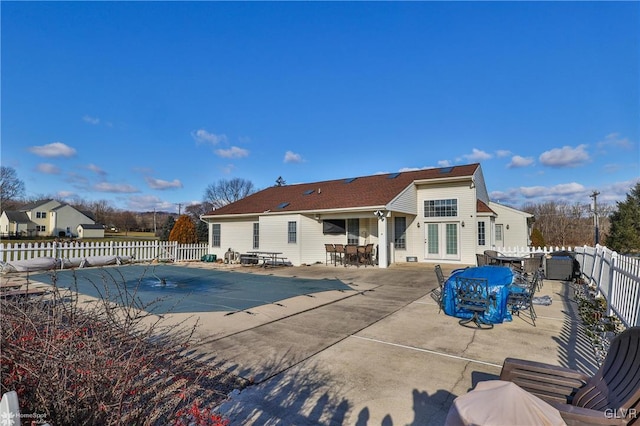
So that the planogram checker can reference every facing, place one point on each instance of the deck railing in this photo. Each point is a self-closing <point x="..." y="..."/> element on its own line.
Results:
<point x="139" y="250"/>
<point x="615" y="276"/>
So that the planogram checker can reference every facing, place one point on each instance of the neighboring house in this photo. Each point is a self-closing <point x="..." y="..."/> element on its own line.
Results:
<point x="439" y="215"/>
<point x="88" y="230"/>
<point x="46" y="218"/>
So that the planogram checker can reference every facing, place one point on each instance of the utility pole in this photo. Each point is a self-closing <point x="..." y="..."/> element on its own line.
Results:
<point x="594" y="195"/>
<point x="179" y="208"/>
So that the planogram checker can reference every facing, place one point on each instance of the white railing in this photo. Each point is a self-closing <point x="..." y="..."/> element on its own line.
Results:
<point x="139" y="250"/>
<point x="616" y="277"/>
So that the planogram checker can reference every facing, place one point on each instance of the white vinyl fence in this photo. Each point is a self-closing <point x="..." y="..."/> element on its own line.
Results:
<point x="616" y="277"/>
<point x="139" y="250"/>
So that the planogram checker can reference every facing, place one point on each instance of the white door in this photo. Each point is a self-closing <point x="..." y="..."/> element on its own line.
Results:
<point x="442" y="241"/>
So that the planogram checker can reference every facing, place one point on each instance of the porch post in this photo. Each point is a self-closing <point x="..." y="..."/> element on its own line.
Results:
<point x="383" y="244"/>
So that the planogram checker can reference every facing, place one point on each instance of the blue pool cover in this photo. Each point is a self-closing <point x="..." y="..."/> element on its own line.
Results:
<point x="168" y="288"/>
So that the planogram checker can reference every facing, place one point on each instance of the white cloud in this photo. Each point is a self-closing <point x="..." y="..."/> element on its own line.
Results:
<point x="518" y="161"/>
<point x="228" y="169"/>
<point x="561" y="190"/>
<point x="565" y="156"/>
<point x="91" y="120"/>
<point x="55" y="149"/>
<point x="202" y="136"/>
<point x="233" y="152"/>
<point x="444" y="163"/>
<point x="48" y="168"/>
<point x="162" y="184"/>
<point x="148" y="203"/>
<point x="614" y="139"/>
<point x="501" y="153"/>
<point x="97" y="170"/>
<point x="477" y="155"/>
<point x="117" y="188"/>
<point x="292" y="157"/>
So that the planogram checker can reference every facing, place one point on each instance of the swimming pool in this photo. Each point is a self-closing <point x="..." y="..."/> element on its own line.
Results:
<point x="178" y="289"/>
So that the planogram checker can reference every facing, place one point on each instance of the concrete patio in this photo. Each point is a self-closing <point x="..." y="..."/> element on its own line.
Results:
<point x="381" y="354"/>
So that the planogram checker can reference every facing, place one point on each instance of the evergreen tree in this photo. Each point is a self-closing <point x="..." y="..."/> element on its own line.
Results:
<point x="166" y="228"/>
<point x="624" y="236"/>
<point x="537" y="240"/>
<point x="184" y="231"/>
<point x="202" y="229"/>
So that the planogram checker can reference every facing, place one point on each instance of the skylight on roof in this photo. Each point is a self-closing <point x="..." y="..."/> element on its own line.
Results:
<point x="349" y="180"/>
<point x="309" y="191"/>
<point x="393" y="175"/>
<point x="283" y="205"/>
<point x="446" y="169"/>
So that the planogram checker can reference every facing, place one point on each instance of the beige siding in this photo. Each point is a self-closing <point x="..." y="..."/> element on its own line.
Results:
<point x="518" y="233"/>
<point x="406" y="202"/>
<point x="66" y="217"/>
<point x="481" y="186"/>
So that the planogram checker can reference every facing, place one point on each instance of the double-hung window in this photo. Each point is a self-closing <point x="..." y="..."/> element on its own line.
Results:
<point x="215" y="235"/>
<point x="256" y="236"/>
<point x="292" y="232"/>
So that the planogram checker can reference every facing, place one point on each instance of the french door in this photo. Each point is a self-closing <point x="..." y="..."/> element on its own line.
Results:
<point x="442" y="241"/>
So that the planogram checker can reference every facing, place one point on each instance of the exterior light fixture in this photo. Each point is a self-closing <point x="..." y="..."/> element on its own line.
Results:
<point x="462" y="224"/>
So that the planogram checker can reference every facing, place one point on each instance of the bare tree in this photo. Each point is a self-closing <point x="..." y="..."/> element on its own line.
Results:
<point x="227" y="191"/>
<point x="11" y="188"/>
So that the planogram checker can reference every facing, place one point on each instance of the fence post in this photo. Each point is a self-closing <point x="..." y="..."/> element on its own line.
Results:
<point x="612" y="287"/>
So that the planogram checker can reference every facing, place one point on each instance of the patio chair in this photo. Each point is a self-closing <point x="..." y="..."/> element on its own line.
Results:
<point x="472" y="294"/>
<point x="491" y="255"/>
<point x="339" y="253"/>
<point x="368" y="254"/>
<point x="610" y="397"/>
<point x="330" y="253"/>
<point x="351" y="255"/>
<point x="522" y="298"/>
<point x="437" y="294"/>
<point x="481" y="259"/>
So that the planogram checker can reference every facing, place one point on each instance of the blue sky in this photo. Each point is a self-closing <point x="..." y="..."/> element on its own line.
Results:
<point x="145" y="104"/>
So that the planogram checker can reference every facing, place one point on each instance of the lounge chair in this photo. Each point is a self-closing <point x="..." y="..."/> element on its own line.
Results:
<point x="610" y="397"/>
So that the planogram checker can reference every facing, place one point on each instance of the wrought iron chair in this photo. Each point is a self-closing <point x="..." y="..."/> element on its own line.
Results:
<point x="522" y="298"/>
<point x="481" y="259"/>
<point x="472" y="294"/>
<point x="611" y="396"/>
<point x="437" y="294"/>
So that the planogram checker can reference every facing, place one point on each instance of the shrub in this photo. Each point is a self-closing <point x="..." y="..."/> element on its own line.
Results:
<point x="105" y="363"/>
<point x="184" y="231"/>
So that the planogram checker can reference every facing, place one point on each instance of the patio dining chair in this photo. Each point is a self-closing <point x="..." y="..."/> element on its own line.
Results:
<point x="472" y="294"/>
<point x="610" y="397"/>
<point x="437" y="294"/>
<point x="330" y="253"/>
<point x="491" y="255"/>
<point x="481" y="259"/>
<point x="339" y="253"/>
<point x="350" y="255"/>
<point x="521" y="296"/>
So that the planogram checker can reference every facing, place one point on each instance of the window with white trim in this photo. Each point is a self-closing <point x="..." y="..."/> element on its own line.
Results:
<point x="400" y="232"/>
<point x="256" y="236"/>
<point x="441" y="208"/>
<point x="292" y="231"/>
<point x="215" y="235"/>
<point x="482" y="238"/>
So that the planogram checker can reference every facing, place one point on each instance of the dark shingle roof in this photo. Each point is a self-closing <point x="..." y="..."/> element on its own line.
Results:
<point x="17" y="217"/>
<point x="359" y="192"/>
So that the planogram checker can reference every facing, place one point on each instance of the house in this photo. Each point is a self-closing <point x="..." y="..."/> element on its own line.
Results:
<point x="45" y="218"/>
<point x="440" y="215"/>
